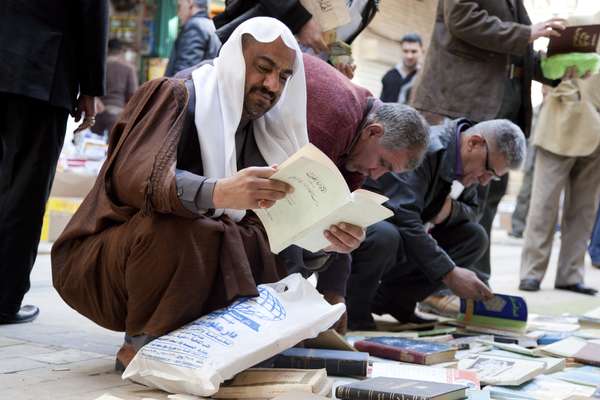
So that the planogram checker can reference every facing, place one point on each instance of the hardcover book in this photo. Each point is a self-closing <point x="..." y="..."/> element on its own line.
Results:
<point x="336" y="362"/>
<point x="266" y="383"/>
<point x="320" y="199"/>
<point x="501" y="312"/>
<point x="396" y="388"/>
<point x="407" y="350"/>
<point x="575" y="39"/>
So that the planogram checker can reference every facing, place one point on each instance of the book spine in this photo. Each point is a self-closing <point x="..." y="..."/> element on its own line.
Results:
<point x="350" y="393"/>
<point x="333" y="366"/>
<point x="393" y="353"/>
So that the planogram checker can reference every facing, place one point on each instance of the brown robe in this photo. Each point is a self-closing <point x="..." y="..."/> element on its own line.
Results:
<point x="132" y="257"/>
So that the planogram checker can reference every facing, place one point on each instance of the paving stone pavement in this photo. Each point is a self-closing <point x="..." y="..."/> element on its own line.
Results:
<point x="63" y="355"/>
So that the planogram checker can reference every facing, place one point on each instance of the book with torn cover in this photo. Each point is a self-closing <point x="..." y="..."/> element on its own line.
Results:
<point x="266" y="383"/>
<point x="320" y="199"/>
<point x="429" y="374"/>
<point x="503" y="312"/>
<point x="575" y="39"/>
<point x="397" y="388"/>
<point x="501" y="370"/>
<point x="336" y="362"/>
<point x="407" y="350"/>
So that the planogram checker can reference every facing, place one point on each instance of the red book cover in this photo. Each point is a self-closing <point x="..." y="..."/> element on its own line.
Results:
<point x="390" y="352"/>
<point x="575" y="39"/>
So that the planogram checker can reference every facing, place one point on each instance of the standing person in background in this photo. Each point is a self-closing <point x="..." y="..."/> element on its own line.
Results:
<point x="121" y="83"/>
<point x="300" y="21"/>
<point x="519" y="215"/>
<point x="479" y="65"/>
<point x="397" y="83"/>
<point x="52" y="63"/>
<point x="568" y="157"/>
<point x="197" y="40"/>
<point x="594" y="248"/>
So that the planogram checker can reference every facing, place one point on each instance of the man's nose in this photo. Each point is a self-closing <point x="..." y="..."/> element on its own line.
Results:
<point x="272" y="82"/>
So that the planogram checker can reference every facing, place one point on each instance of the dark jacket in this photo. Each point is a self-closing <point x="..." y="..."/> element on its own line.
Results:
<point x="196" y="42"/>
<point x="416" y="197"/>
<point x="467" y="63"/>
<point x="393" y="83"/>
<point x="50" y="50"/>
<point x="290" y="12"/>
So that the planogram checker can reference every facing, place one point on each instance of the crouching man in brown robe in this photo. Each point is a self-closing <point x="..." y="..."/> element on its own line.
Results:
<point x="163" y="237"/>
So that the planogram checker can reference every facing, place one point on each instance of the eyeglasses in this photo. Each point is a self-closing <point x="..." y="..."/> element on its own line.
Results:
<point x="488" y="168"/>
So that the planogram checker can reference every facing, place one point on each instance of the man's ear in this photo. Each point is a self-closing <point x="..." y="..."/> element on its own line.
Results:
<point x="373" y="130"/>
<point x="475" y="140"/>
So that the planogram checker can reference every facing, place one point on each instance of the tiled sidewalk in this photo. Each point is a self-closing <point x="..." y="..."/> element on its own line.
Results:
<point x="62" y="355"/>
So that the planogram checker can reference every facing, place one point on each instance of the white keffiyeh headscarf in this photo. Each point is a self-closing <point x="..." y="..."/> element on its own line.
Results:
<point x="219" y="102"/>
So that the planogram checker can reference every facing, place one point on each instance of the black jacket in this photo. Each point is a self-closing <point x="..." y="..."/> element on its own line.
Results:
<point x="290" y="12"/>
<point x="416" y="197"/>
<point x="50" y="50"/>
<point x="196" y="42"/>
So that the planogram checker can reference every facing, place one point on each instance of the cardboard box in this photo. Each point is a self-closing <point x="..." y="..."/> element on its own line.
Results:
<point x="59" y="211"/>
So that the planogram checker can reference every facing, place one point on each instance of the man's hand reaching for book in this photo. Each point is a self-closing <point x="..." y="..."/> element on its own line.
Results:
<point x="250" y="188"/>
<point x="344" y="237"/>
<point x="465" y="284"/>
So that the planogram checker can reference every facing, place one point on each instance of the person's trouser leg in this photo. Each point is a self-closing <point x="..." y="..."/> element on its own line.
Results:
<point x="519" y="215"/>
<point x="594" y="248"/>
<point x="579" y="210"/>
<point x="549" y="176"/>
<point x="376" y="254"/>
<point x="405" y="285"/>
<point x="31" y="137"/>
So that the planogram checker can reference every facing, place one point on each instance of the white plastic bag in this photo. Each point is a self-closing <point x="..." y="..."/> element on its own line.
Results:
<point x="198" y="357"/>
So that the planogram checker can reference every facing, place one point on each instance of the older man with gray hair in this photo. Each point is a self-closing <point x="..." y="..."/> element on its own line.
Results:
<point x="433" y="239"/>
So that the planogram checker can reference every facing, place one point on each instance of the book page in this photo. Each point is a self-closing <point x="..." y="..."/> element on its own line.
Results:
<point x="361" y="211"/>
<point x="330" y="14"/>
<point x="319" y="189"/>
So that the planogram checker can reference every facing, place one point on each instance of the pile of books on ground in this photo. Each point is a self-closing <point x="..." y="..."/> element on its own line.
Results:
<point x="493" y="350"/>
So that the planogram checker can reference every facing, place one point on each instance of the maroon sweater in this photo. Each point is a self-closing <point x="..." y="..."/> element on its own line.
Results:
<point x="336" y="108"/>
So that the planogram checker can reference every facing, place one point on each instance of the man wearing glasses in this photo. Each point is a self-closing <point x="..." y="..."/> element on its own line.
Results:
<point x="433" y="239"/>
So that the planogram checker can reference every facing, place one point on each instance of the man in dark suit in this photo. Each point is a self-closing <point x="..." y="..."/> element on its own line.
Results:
<point x="197" y="40"/>
<point x="52" y="62"/>
<point x="480" y="65"/>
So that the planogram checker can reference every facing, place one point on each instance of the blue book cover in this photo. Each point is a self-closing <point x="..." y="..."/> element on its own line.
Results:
<point x="502" y="311"/>
<point x="418" y="346"/>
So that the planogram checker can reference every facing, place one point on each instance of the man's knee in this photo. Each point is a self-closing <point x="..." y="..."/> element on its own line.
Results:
<point x="382" y="236"/>
<point x="477" y="238"/>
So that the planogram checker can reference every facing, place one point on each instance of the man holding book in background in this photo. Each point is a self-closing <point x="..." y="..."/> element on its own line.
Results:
<point x="434" y="238"/>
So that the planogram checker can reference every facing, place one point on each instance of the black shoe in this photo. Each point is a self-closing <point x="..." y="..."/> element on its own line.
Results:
<point x="516" y="235"/>
<point x="25" y="314"/>
<point x="361" y="325"/>
<point x="529" y="285"/>
<point x="578" y="288"/>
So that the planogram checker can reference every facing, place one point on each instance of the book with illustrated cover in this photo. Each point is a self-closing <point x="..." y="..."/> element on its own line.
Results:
<point x="429" y="374"/>
<point x="501" y="370"/>
<point x="396" y="388"/>
<point x="407" y="350"/>
<point x="502" y="312"/>
<point x="552" y="364"/>
<point x="575" y="39"/>
<point x="266" y="383"/>
<point x="321" y="198"/>
<point x="336" y="362"/>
